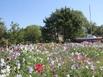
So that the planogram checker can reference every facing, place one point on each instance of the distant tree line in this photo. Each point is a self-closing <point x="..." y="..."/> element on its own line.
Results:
<point x="17" y="35"/>
<point x="65" y="23"/>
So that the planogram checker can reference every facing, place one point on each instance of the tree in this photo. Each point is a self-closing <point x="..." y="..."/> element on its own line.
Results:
<point x="20" y="38"/>
<point x="32" y="33"/>
<point x="66" y="22"/>
<point x="2" y="29"/>
<point x="99" y="31"/>
<point x="14" y="33"/>
<point x="3" y="40"/>
<point x="92" y="28"/>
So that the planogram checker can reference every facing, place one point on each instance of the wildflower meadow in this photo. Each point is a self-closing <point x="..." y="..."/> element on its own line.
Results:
<point x="52" y="60"/>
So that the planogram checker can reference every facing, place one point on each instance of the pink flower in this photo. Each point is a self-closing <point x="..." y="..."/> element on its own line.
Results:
<point x="79" y="57"/>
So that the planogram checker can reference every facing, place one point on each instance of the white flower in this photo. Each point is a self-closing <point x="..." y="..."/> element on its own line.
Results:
<point x="72" y="53"/>
<point x="57" y="60"/>
<point x="2" y="75"/>
<point x="101" y="67"/>
<point x="8" y="69"/>
<point x="48" y="58"/>
<point x="86" y="67"/>
<point x="30" y="76"/>
<point x="30" y="69"/>
<point x="98" y="62"/>
<point x="3" y="71"/>
<point x="18" y="75"/>
<point x="93" y="67"/>
<point x="59" y="65"/>
<point x="2" y="60"/>
<point x="23" y="60"/>
<point x="56" y="75"/>
<point x="93" y="76"/>
<point x="52" y="62"/>
<point x="89" y="62"/>
<point x="68" y="75"/>
<point x="18" y="64"/>
<point x="30" y="56"/>
<point x="73" y="66"/>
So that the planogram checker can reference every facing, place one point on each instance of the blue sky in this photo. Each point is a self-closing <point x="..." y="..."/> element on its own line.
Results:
<point x="26" y="12"/>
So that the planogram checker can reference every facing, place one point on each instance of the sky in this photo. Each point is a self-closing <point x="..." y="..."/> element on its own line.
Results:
<point x="28" y="12"/>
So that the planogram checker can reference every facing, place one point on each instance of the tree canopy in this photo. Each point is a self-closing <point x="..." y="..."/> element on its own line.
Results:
<point x="32" y="33"/>
<point x="66" y="22"/>
<point x="2" y="28"/>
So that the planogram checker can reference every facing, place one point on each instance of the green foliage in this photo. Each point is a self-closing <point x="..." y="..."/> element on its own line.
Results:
<point x="99" y="31"/>
<point x="32" y="33"/>
<point x="66" y="22"/>
<point x="16" y="35"/>
<point x="2" y="29"/>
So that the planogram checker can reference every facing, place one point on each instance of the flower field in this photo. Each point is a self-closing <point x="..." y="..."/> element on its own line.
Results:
<point x="52" y="60"/>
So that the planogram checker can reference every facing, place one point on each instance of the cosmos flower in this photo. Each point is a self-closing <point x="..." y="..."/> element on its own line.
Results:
<point x="30" y="69"/>
<point x="39" y="68"/>
<point x="18" y="75"/>
<point x="79" y="57"/>
<point x="68" y="75"/>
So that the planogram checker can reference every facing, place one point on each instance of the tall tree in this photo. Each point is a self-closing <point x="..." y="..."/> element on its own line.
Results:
<point x="66" y="22"/>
